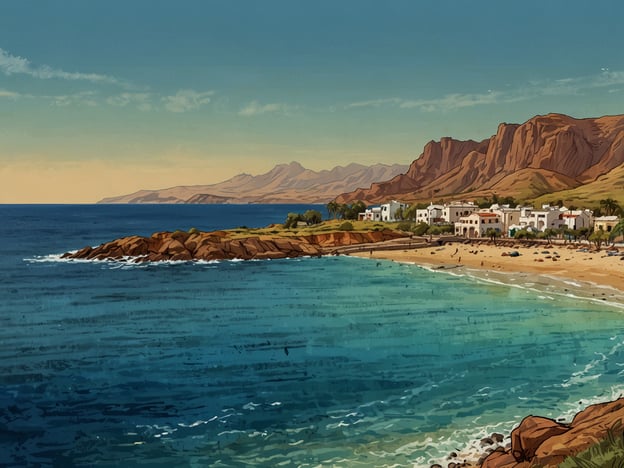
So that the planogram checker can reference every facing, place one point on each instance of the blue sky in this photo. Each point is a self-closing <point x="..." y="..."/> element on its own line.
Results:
<point x="103" y="98"/>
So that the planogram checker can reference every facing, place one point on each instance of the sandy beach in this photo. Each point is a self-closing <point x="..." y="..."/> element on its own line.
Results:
<point x="595" y="273"/>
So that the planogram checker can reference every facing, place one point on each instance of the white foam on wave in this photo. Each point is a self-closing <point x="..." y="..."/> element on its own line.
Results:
<point x="555" y="287"/>
<point x="588" y="374"/>
<point x="126" y="262"/>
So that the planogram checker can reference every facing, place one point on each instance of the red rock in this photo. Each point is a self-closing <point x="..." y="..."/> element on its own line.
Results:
<point x="82" y="253"/>
<point x="270" y="255"/>
<point x="587" y="428"/>
<point x="172" y="247"/>
<point x="153" y="257"/>
<point x="192" y="242"/>
<point x="182" y="256"/>
<point x="529" y="435"/>
<point x="209" y="252"/>
<point x="499" y="459"/>
<point x="237" y="248"/>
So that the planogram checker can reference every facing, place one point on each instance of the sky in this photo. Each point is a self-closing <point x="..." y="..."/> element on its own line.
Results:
<point x="103" y="98"/>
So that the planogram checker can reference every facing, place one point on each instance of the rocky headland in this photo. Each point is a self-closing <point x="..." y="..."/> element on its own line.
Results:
<point x="226" y="245"/>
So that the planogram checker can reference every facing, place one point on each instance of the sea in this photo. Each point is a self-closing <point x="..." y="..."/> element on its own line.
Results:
<point x="308" y="362"/>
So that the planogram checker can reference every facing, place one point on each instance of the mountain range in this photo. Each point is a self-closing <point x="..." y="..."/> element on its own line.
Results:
<point x="548" y="157"/>
<point x="285" y="183"/>
<point x="555" y="155"/>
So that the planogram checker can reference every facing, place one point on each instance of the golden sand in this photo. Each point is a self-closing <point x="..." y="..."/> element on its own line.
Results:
<point x="595" y="268"/>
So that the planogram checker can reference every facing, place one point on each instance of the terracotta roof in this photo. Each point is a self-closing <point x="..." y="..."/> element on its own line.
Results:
<point x="487" y="215"/>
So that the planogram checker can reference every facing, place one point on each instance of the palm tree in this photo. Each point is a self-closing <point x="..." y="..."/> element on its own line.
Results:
<point x="617" y="230"/>
<point x="332" y="208"/>
<point x="598" y="237"/>
<point x="610" y="206"/>
<point x="492" y="234"/>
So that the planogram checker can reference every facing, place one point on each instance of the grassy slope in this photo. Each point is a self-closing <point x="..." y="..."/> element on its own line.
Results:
<point x="610" y="185"/>
<point x="325" y="227"/>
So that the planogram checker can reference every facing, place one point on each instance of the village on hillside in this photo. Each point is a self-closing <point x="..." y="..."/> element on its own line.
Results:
<point x="469" y="220"/>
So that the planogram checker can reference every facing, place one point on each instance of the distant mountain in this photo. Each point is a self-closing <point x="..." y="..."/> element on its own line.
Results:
<point x="544" y="155"/>
<point x="285" y="183"/>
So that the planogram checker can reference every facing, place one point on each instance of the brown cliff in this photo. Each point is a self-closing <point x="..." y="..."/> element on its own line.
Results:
<point x="558" y="150"/>
<point x="542" y="442"/>
<point x="224" y="245"/>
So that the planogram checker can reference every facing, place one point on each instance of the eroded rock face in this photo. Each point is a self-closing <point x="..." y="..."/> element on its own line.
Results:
<point x="542" y="442"/>
<point x="219" y="245"/>
<point x="564" y="151"/>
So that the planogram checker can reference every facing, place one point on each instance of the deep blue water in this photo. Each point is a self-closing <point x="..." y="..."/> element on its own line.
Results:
<point x="333" y="361"/>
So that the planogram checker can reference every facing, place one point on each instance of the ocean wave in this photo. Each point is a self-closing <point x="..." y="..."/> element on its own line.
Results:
<point x="137" y="262"/>
<point x="555" y="287"/>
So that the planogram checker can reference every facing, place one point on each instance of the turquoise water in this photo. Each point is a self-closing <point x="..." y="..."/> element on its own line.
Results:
<point x="335" y="361"/>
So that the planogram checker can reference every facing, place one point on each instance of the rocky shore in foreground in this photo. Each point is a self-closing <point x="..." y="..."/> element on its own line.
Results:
<point x="546" y="443"/>
<point x="226" y="245"/>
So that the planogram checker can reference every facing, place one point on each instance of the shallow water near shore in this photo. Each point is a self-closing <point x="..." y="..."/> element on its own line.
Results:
<point x="333" y="361"/>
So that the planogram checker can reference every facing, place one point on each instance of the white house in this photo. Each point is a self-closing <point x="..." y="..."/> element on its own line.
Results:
<point x="453" y="211"/>
<point x="371" y="214"/>
<point x="385" y="212"/>
<point x="430" y="215"/>
<point x="540" y="220"/>
<point x="509" y="216"/>
<point x="477" y="224"/>
<point x="389" y="210"/>
<point x="578" y="219"/>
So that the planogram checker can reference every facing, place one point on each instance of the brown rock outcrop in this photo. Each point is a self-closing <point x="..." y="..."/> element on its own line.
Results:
<point x="543" y="442"/>
<point x="561" y="151"/>
<point x="219" y="245"/>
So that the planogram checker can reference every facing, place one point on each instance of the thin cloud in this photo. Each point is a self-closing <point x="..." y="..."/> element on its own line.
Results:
<point x="16" y="65"/>
<point x="186" y="100"/>
<point x="453" y="101"/>
<point x="9" y="94"/>
<point x="255" y="108"/>
<point x="609" y="80"/>
<point x="85" y="98"/>
<point x="141" y="100"/>
<point x="373" y="103"/>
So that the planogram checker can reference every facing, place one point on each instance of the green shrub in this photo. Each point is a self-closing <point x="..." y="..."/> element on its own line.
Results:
<point x="608" y="453"/>
<point x="346" y="226"/>
<point x="420" y="228"/>
<point x="292" y="219"/>
<point x="404" y="226"/>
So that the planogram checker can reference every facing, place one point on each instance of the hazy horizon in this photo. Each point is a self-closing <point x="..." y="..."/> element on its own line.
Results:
<point x="107" y="98"/>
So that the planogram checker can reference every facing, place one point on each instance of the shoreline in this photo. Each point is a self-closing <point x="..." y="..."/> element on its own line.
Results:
<point x="591" y="275"/>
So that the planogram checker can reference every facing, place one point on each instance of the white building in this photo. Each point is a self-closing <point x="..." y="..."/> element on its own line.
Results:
<point x="509" y="216"/>
<point x="389" y="210"/>
<point x="371" y="214"/>
<point x="477" y="224"/>
<point x="385" y="212"/>
<point x="578" y="219"/>
<point x="540" y="220"/>
<point x="445" y="214"/>
<point x="430" y="215"/>
<point x="453" y="211"/>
